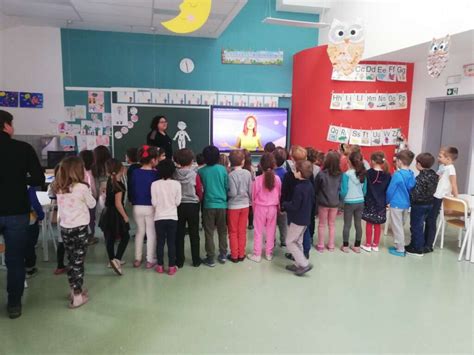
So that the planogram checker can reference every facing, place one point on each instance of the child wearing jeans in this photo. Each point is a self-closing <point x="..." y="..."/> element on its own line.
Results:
<point x="74" y="201"/>
<point x="299" y="216"/>
<point x="143" y="211"/>
<point x="421" y="202"/>
<point x="166" y="197"/>
<point x="447" y="186"/>
<point x="375" y="207"/>
<point x="240" y="195"/>
<point x="328" y="186"/>
<point x="188" y="210"/>
<point x="215" y="181"/>
<point x="266" y="193"/>
<point x="398" y="197"/>
<point x="281" y="156"/>
<point x="353" y="190"/>
<point x="114" y="219"/>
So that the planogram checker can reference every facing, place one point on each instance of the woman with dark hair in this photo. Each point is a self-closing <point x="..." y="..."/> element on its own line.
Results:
<point x="158" y="137"/>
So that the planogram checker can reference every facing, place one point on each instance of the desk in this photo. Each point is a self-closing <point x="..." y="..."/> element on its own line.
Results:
<point x="46" y="225"/>
<point x="470" y="201"/>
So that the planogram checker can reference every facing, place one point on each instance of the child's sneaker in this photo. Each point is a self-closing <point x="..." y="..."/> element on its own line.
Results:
<point x="291" y="267"/>
<point x="303" y="270"/>
<point x="31" y="272"/>
<point x="375" y="248"/>
<point x="116" y="265"/>
<point x="319" y="248"/>
<point x="255" y="258"/>
<point x="149" y="265"/>
<point x="229" y="257"/>
<point x="160" y="269"/>
<point x="269" y="257"/>
<point x="222" y="258"/>
<point x="241" y="259"/>
<point x="137" y="263"/>
<point x="172" y="271"/>
<point x="395" y="252"/>
<point x="330" y="248"/>
<point x="345" y="249"/>
<point x="412" y="251"/>
<point x="368" y="249"/>
<point x="59" y="271"/>
<point x="355" y="249"/>
<point x="79" y="300"/>
<point x="209" y="262"/>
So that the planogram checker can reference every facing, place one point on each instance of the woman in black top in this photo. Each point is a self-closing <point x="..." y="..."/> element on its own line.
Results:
<point x="158" y="137"/>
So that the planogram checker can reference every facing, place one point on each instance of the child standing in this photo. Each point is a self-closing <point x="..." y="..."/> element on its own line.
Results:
<point x="88" y="158"/>
<point x="188" y="210"/>
<point x="266" y="192"/>
<point x="215" y="181"/>
<point x="99" y="171"/>
<point x="375" y="206"/>
<point x="74" y="201"/>
<point x="398" y="197"/>
<point x="281" y="156"/>
<point x="166" y="197"/>
<point x="328" y="186"/>
<point x="299" y="215"/>
<point x="36" y="215"/>
<point x="114" y="220"/>
<point x="240" y="195"/>
<point x="132" y="160"/>
<point x="353" y="190"/>
<point x="421" y="202"/>
<point x="143" y="211"/>
<point x="447" y="185"/>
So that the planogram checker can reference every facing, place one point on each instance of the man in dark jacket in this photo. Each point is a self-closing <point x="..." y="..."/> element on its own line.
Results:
<point x="20" y="167"/>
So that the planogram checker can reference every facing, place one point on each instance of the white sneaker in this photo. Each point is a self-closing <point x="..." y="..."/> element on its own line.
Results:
<point x="269" y="257"/>
<point x="375" y="248"/>
<point x="115" y="263"/>
<point x="255" y="258"/>
<point x="122" y="262"/>
<point x="366" y="248"/>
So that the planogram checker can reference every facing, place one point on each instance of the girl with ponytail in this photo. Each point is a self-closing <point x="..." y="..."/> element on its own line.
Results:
<point x="266" y="192"/>
<point x="353" y="190"/>
<point x="114" y="220"/>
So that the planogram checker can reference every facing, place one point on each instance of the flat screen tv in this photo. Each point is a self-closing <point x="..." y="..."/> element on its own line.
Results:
<point x="248" y="127"/>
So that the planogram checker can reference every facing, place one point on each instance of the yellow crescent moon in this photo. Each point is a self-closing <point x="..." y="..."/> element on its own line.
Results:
<point x="193" y="15"/>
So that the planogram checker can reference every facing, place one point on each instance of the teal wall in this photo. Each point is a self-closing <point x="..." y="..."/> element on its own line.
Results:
<point x="112" y="59"/>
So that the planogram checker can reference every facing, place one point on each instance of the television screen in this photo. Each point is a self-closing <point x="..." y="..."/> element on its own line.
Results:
<point x="248" y="127"/>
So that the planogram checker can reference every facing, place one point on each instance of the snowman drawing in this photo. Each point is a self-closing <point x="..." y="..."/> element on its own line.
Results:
<point x="182" y="135"/>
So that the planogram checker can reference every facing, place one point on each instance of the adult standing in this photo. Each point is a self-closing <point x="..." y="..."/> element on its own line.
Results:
<point x="20" y="168"/>
<point x="158" y="137"/>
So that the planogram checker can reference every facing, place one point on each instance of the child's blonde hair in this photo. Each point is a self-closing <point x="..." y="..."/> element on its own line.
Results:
<point x="298" y="153"/>
<point x="70" y="172"/>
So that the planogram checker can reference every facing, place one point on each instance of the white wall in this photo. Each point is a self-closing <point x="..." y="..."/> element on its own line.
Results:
<point x="32" y="62"/>
<point x="395" y="24"/>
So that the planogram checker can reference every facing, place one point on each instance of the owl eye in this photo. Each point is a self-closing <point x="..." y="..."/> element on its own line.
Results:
<point x="353" y="32"/>
<point x="356" y="33"/>
<point x="340" y="33"/>
<point x="434" y="48"/>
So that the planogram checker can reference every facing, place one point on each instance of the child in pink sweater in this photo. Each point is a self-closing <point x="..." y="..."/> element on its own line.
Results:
<point x="266" y="193"/>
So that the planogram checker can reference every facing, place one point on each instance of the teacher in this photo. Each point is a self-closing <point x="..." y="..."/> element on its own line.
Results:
<point x="158" y="137"/>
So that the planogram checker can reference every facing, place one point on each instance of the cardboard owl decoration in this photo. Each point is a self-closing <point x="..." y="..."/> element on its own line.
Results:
<point x="438" y="56"/>
<point x="345" y="45"/>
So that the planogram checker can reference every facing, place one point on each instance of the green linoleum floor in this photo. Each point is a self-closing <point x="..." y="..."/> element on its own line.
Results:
<point x="368" y="303"/>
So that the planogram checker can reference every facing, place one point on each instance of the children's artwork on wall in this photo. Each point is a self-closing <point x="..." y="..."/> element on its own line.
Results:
<point x="119" y="115"/>
<point x="143" y="97"/>
<point x="182" y="136"/>
<point x="209" y="99"/>
<point x="80" y="112"/>
<point x="177" y="98"/>
<point x="438" y="56"/>
<point x="255" y="101"/>
<point x="31" y="100"/>
<point x="107" y="120"/>
<point x="95" y="100"/>
<point x="125" y="96"/>
<point x="241" y="100"/>
<point x="224" y="100"/>
<point x="356" y="136"/>
<point x="345" y="45"/>
<point x="193" y="99"/>
<point x="159" y="97"/>
<point x="70" y="113"/>
<point x="87" y="127"/>
<point x="67" y="142"/>
<point x="81" y="143"/>
<point x="9" y="98"/>
<point x="103" y="140"/>
<point x="270" y="101"/>
<point x="91" y="142"/>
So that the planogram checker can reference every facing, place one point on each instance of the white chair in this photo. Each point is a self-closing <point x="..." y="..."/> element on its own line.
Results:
<point x="455" y="212"/>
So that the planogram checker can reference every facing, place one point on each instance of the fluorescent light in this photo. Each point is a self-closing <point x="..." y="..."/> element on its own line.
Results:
<point x="294" y="23"/>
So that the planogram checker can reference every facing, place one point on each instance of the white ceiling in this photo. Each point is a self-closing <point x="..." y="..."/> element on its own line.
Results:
<point x="462" y="42"/>
<point x="138" y="16"/>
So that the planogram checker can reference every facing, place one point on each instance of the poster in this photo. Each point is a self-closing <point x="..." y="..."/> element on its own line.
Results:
<point x="392" y="101"/>
<point x="224" y="100"/>
<point x="177" y="98"/>
<point x="390" y="136"/>
<point x="356" y="136"/>
<point x="255" y="101"/>
<point x="80" y="112"/>
<point x="67" y="142"/>
<point x="143" y="97"/>
<point x="333" y="132"/>
<point x="159" y="97"/>
<point x="374" y="72"/>
<point x="270" y="101"/>
<point x="69" y="113"/>
<point x="74" y="129"/>
<point x="402" y="100"/>
<point x="81" y="142"/>
<point x="371" y="101"/>
<point x="107" y="119"/>
<point x="87" y="127"/>
<point x="31" y="100"/>
<point x="119" y="115"/>
<point x="241" y="100"/>
<point x="347" y="101"/>
<point x="193" y="99"/>
<point x="359" y="101"/>
<point x="125" y="96"/>
<point x="229" y="56"/>
<point x="391" y="73"/>
<point x="336" y="101"/>
<point x="103" y="140"/>
<point x="343" y="135"/>
<point x="9" y="98"/>
<point x="365" y="138"/>
<point x="95" y="101"/>
<point x="375" y="137"/>
<point x="382" y="73"/>
<point x="209" y="99"/>
<point x="402" y="73"/>
<point x="381" y="102"/>
<point x="91" y="142"/>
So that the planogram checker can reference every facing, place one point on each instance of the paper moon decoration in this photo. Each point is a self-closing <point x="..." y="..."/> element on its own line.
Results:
<point x="193" y="15"/>
<point x="345" y="45"/>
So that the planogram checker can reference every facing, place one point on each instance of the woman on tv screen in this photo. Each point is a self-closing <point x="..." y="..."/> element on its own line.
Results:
<point x="249" y="138"/>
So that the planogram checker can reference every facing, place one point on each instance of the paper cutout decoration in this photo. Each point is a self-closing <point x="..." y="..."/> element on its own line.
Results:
<point x="182" y="135"/>
<point x="31" y="100"/>
<point x="438" y="56"/>
<point x="345" y="45"/>
<point x="95" y="100"/>
<point x="8" y="99"/>
<point x="193" y="15"/>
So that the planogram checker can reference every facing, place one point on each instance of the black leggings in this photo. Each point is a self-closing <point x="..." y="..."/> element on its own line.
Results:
<point x="110" y="245"/>
<point x="352" y="210"/>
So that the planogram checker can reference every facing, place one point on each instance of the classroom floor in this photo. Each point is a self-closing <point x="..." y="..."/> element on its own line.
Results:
<point x="368" y="304"/>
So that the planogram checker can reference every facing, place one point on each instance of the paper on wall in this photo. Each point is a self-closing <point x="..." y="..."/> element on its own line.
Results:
<point x="193" y="98"/>
<point x="125" y="96"/>
<point x="382" y="73"/>
<point x="91" y="142"/>
<point x="224" y="100"/>
<point x="381" y="102"/>
<point x="402" y="100"/>
<point x="143" y="97"/>
<point x="371" y="101"/>
<point x="209" y="99"/>
<point x="392" y="101"/>
<point x="356" y="136"/>
<point x="375" y="137"/>
<point x="241" y="100"/>
<point x="402" y="73"/>
<point x="119" y="115"/>
<point x="255" y="101"/>
<point x="365" y="138"/>
<point x="103" y="140"/>
<point x="347" y="101"/>
<point x="177" y="97"/>
<point x="70" y="113"/>
<point x="390" y="136"/>
<point x="359" y="101"/>
<point x="159" y="97"/>
<point x="81" y="142"/>
<point x="336" y="101"/>
<point x="107" y="119"/>
<point x="333" y="132"/>
<point x="391" y="73"/>
<point x="80" y="112"/>
<point x="270" y="101"/>
<point x="95" y="100"/>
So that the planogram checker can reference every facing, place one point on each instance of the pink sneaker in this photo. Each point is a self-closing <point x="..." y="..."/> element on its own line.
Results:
<point x="137" y="263"/>
<point x="344" y="249"/>
<point x="149" y="265"/>
<point x="319" y="248"/>
<point x="172" y="271"/>
<point x="159" y="269"/>
<point x="355" y="249"/>
<point x="330" y="248"/>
